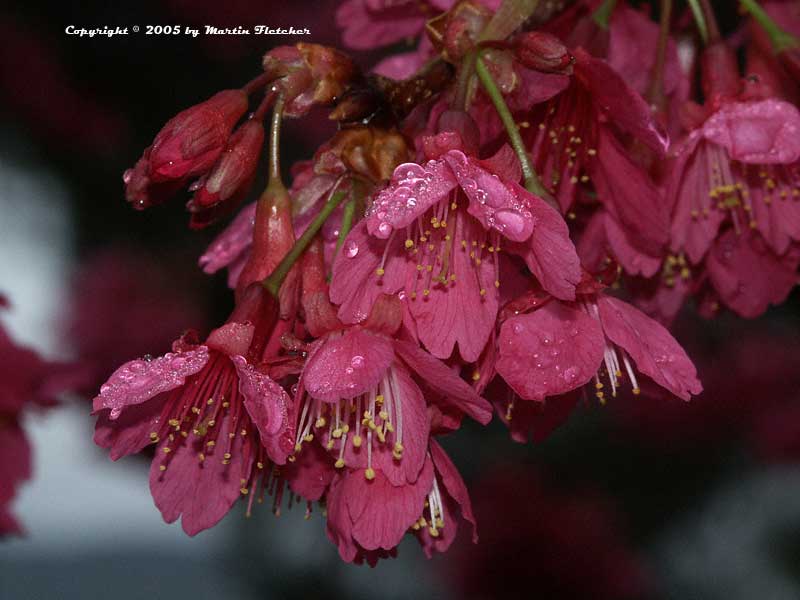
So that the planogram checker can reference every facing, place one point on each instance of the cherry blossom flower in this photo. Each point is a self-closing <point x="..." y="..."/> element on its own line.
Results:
<point x="218" y="423"/>
<point x="435" y="234"/>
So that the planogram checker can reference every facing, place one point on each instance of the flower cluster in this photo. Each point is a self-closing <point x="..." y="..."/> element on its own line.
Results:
<point x="507" y="220"/>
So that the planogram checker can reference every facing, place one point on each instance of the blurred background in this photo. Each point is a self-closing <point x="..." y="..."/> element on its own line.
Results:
<point x="642" y="498"/>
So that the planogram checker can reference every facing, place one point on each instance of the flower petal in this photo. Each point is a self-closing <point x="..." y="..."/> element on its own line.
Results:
<point x="199" y="491"/>
<point x="442" y="379"/>
<point x="355" y="285"/>
<point x="346" y="365"/>
<point x="139" y="380"/>
<point x="269" y="406"/>
<point x="230" y="245"/>
<point x="451" y="480"/>
<point x="382" y="513"/>
<point x="650" y="345"/>
<point x="130" y="433"/>
<point x="412" y="190"/>
<point x="494" y="203"/>
<point x="764" y="132"/>
<point x="550" y="254"/>
<point x="550" y="351"/>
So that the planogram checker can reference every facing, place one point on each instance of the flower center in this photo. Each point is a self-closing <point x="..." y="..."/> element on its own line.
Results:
<point x="432" y="515"/>
<point x="370" y="422"/>
<point x="432" y="242"/>
<point x="207" y="415"/>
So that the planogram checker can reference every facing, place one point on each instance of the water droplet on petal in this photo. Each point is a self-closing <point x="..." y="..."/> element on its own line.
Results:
<point x="511" y="221"/>
<point x="127" y="176"/>
<point x="357" y="362"/>
<point x="385" y="229"/>
<point x="351" y="249"/>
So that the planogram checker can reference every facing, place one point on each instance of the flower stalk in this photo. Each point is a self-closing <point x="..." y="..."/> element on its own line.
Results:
<point x="532" y="182"/>
<point x="602" y="14"/>
<point x="781" y="40"/>
<point x="699" y="19"/>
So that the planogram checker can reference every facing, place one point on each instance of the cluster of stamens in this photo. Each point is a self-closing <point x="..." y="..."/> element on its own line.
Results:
<point x="612" y="365"/>
<point x="373" y="420"/>
<point x="434" y="507"/>
<point x="208" y="414"/>
<point x="431" y="243"/>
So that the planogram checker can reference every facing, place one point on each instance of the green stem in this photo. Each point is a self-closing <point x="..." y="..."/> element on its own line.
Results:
<point x="467" y="68"/>
<point x="348" y="213"/>
<point x="274" y="281"/>
<point x="697" y="13"/>
<point x="275" y="139"/>
<point x="781" y="40"/>
<point x="532" y="182"/>
<point x="602" y="14"/>
<point x="711" y="22"/>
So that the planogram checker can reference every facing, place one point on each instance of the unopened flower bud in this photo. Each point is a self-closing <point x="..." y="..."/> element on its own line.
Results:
<point x="233" y="173"/>
<point x="190" y="142"/>
<point x="543" y="52"/>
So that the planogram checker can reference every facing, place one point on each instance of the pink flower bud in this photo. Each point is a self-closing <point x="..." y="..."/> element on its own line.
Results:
<point x="544" y="52"/>
<point x="233" y="172"/>
<point x="190" y="142"/>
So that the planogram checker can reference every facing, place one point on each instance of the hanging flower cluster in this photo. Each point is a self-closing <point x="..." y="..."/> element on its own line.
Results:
<point x="507" y="220"/>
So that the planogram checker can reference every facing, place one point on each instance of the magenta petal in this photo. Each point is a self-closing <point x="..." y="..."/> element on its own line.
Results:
<point x="412" y="190"/>
<point x="550" y="254"/>
<point x="765" y="132"/>
<point x="748" y="276"/>
<point x="382" y="513"/>
<point x="268" y="406"/>
<point x="231" y="338"/>
<point x="455" y="312"/>
<point x="139" y="380"/>
<point x="633" y="260"/>
<point x="355" y="285"/>
<point x="650" y="345"/>
<point x="339" y="526"/>
<point x="232" y="243"/>
<point x="550" y="351"/>
<point x="129" y="433"/>
<point x="630" y="196"/>
<point x="442" y="379"/>
<point x="311" y="472"/>
<point x="450" y="479"/>
<point x="201" y="492"/>
<point x="416" y="431"/>
<point x="621" y="103"/>
<point x="346" y="365"/>
<point x="494" y="203"/>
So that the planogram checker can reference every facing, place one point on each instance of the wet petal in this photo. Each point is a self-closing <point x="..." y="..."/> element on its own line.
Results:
<point x="346" y="365"/>
<point x="412" y="190"/>
<point x="269" y="406"/>
<point x="139" y="380"/>
<point x="230" y="245"/>
<point x="130" y="433"/>
<point x="550" y="351"/>
<point x="765" y="132"/>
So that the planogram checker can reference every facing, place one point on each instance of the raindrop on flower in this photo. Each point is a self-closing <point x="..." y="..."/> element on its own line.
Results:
<point x="351" y="249"/>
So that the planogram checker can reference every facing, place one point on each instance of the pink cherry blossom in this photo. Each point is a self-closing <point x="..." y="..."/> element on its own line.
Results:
<point x="217" y="422"/>
<point x="434" y="234"/>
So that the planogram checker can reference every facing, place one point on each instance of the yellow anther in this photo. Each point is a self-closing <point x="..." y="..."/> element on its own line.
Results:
<point x="369" y="473"/>
<point x="476" y="375"/>
<point x="636" y="391"/>
<point x="226" y="404"/>
<point x="260" y="465"/>
<point x="483" y="292"/>
<point x="309" y="437"/>
<point x="210" y="401"/>
<point x="337" y="433"/>
<point x="409" y="243"/>
<point x="383" y="415"/>
<point x="166" y="449"/>
<point x="426" y="293"/>
<point x="195" y="410"/>
<point x="339" y="464"/>
<point x="226" y="456"/>
<point x="356" y="441"/>
<point x="201" y="457"/>
<point x="320" y="422"/>
<point x="162" y="468"/>
<point x="380" y="271"/>
<point x="174" y="423"/>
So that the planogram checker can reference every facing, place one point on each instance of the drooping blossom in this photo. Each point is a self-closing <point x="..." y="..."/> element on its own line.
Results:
<point x="360" y="397"/>
<point x="578" y="142"/>
<point x="434" y="234"/>
<point x="597" y="338"/>
<point x="218" y="422"/>
<point x="735" y="182"/>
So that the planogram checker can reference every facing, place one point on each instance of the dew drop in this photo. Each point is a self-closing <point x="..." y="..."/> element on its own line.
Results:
<point x="351" y="249"/>
<point x="384" y="229"/>
<point x="511" y="221"/>
<point x="357" y="362"/>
